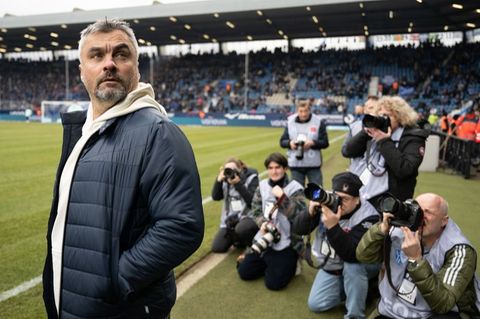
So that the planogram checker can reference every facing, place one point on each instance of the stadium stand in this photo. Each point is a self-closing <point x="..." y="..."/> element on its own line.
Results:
<point x="430" y="77"/>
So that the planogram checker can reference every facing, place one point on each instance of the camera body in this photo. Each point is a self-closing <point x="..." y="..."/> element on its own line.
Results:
<point x="299" y="151"/>
<point x="317" y="194"/>
<point x="300" y="143"/>
<point x="270" y="237"/>
<point x="379" y="122"/>
<point x="229" y="173"/>
<point x="408" y="213"/>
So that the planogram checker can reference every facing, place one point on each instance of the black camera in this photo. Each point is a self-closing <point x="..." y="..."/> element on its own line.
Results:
<point x="229" y="173"/>
<point x="380" y="122"/>
<point x="318" y="194"/>
<point x="407" y="213"/>
<point x="299" y="151"/>
<point x="270" y="237"/>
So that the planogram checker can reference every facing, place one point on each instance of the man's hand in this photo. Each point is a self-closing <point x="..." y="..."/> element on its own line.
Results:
<point x="385" y="225"/>
<point x="263" y="228"/>
<point x="329" y="218"/>
<point x="377" y="134"/>
<point x="411" y="244"/>
<point x="293" y="145"/>
<point x="308" y="144"/>
<point x="313" y="208"/>
<point x="234" y="180"/>
<point x="220" y="176"/>
<point x="277" y="191"/>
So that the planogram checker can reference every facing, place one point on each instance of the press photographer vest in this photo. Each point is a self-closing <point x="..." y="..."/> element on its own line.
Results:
<point x="279" y="219"/>
<point x="321" y="248"/>
<point x="375" y="175"/>
<point x="311" y="157"/>
<point x="391" y="304"/>
<point x="234" y="200"/>
<point x="357" y="164"/>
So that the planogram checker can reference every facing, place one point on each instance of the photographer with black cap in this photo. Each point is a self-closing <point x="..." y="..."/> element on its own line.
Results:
<point x="275" y="206"/>
<point x="336" y="239"/>
<point x="235" y="184"/>
<point x="392" y="146"/>
<point x="430" y="272"/>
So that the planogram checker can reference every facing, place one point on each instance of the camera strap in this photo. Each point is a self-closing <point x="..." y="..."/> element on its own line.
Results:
<point x="307" y="255"/>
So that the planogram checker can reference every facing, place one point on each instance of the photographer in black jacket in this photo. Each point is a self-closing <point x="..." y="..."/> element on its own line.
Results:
<point x="235" y="184"/>
<point x="392" y="154"/>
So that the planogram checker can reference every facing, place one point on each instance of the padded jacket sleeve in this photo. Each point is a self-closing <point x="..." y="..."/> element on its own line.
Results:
<point x="443" y="290"/>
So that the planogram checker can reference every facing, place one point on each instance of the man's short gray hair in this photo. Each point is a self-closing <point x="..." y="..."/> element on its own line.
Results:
<point x="106" y="26"/>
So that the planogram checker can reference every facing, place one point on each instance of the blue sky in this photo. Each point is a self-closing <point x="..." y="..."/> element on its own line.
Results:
<point x="31" y="7"/>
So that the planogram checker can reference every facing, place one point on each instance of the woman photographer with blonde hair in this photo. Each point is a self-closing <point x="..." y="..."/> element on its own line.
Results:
<point x="392" y="146"/>
<point x="235" y="185"/>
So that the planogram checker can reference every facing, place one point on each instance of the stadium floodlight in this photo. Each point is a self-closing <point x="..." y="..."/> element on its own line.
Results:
<point x="152" y="28"/>
<point x="173" y="19"/>
<point x="478" y="10"/>
<point x="260" y="13"/>
<point x="216" y="15"/>
<point x="54" y="35"/>
<point x="230" y="25"/>
<point x="315" y="19"/>
<point x="187" y="26"/>
<point x="471" y="25"/>
<point x="268" y="21"/>
<point x="308" y="9"/>
<point x="457" y="6"/>
<point x="206" y="36"/>
<point x="445" y="28"/>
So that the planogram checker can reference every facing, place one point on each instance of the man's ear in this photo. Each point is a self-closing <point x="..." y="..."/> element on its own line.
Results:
<point x="81" y="76"/>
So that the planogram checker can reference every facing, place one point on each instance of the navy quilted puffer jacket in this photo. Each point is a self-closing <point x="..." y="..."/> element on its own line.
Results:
<point x="135" y="212"/>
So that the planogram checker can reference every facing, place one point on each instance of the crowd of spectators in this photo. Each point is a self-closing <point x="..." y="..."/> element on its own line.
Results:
<point x="429" y="76"/>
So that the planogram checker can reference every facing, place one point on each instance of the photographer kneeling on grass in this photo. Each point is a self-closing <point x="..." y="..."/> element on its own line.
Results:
<point x="275" y="249"/>
<point x="235" y="184"/>
<point x="430" y="271"/>
<point x="342" y="219"/>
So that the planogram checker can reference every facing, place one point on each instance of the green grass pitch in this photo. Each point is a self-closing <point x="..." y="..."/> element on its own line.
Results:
<point x="29" y="153"/>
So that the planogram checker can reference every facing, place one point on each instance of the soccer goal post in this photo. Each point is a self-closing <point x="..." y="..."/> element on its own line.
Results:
<point x="51" y="109"/>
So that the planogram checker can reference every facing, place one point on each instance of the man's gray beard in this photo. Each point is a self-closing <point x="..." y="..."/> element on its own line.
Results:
<point x="112" y="95"/>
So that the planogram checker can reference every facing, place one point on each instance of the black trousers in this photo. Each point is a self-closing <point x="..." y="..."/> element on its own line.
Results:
<point x="241" y="235"/>
<point x="278" y="267"/>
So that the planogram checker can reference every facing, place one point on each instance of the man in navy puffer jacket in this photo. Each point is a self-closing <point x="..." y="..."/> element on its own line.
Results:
<point x="127" y="205"/>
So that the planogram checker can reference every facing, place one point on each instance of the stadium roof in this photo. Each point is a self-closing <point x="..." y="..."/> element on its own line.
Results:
<point x="202" y="22"/>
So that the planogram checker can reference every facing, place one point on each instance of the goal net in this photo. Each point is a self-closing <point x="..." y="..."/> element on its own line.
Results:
<point x="51" y="109"/>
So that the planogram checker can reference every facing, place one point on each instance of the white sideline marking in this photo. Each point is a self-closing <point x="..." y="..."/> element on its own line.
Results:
<point x="190" y="277"/>
<point x="20" y="288"/>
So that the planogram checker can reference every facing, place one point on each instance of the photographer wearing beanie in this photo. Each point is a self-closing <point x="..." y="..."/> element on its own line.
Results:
<point x="336" y="238"/>
<point x="235" y="184"/>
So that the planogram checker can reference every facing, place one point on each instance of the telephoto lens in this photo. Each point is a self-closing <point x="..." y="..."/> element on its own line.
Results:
<point x="317" y="194"/>
<point x="270" y="237"/>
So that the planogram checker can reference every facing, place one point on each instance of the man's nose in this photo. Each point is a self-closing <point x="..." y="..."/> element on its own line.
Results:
<point x="109" y="63"/>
